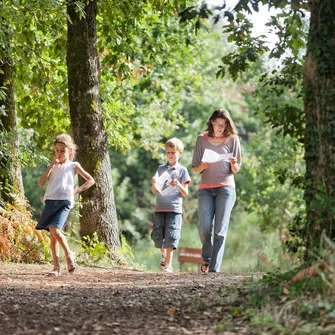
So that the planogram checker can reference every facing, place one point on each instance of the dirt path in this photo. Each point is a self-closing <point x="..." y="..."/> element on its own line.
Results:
<point x="112" y="301"/>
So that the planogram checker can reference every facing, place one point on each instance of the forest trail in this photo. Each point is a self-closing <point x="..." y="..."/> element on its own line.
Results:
<point x="113" y="301"/>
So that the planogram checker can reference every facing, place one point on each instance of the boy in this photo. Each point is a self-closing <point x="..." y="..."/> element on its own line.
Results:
<point x="170" y="183"/>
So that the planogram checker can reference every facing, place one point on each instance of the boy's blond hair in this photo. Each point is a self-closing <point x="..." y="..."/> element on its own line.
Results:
<point x="176" y="144"/>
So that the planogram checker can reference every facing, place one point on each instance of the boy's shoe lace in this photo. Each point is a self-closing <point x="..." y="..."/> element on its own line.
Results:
<point x="163" y="262"/>
<point x="168" y="268"/>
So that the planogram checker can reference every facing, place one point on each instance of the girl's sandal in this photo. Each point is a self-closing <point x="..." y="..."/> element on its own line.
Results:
<point x="204" y="268"/>
<point x="71" y="262"/>
<point x="54" y="273"/>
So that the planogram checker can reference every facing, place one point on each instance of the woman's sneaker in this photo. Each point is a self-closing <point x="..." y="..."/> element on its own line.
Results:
<point x="163" y="262"/>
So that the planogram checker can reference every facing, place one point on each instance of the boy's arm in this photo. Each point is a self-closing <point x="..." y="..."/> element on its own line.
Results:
<point x="153" y="185"/>
<point x="182" y="188"/>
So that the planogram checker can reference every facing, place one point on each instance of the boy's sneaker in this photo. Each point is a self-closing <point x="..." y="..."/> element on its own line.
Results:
<point x="168" y="268"/>
<point x="163" y="262"/>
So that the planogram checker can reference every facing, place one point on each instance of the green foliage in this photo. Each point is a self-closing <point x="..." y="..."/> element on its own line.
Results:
<point x="34" y="37"/>
<point x="95" y="253"/>
<point x="272" y="164"/>
<point x="282" y="302"/>
<point x="133" y="55"/>
<point x="132" y="191"/>
<point x="281" y="92"/>
<point x="269" y="168"/>
<point x="249" y="48"/>
<point x="157" y="80"/>
<point x="93" y="250"/>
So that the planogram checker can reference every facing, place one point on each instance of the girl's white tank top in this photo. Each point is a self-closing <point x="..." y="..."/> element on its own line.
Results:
<point x="61" y="182"/>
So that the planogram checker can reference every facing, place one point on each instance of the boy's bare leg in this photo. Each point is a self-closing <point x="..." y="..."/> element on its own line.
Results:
<point x="169" y="255"/>
<point x="163" y="258"/>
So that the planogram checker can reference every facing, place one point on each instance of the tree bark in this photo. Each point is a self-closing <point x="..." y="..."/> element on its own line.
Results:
<point x="11" y="184"/>
<point x="98" y="213"/>
<point x="319" y="85"/>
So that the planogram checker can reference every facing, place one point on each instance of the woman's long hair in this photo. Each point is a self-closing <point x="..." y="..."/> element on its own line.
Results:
<point x="230" y="128"/>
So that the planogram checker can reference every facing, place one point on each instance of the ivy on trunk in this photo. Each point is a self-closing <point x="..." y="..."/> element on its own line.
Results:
<point x="11" y="185"/>
<point x="319" y="84"/>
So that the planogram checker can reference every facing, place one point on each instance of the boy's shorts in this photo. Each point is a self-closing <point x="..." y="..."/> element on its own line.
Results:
<point x="166" y="229"/>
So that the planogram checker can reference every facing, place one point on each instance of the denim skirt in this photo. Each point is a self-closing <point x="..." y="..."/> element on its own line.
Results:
<point x="54" y="214"/>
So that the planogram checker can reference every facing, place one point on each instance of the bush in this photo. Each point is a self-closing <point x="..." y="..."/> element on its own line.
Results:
<point x="19" y="240"/>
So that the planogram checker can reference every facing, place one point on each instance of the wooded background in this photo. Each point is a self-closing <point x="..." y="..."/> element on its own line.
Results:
<point x="123" y="77"/>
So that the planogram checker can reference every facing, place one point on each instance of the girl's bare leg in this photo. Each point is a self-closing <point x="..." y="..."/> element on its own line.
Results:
<point x="54" y="245"/>
<point x="61" y="239"/>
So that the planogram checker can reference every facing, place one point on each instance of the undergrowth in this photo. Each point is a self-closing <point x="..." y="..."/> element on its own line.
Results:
<point x="20" y="242"/>
<point x="95" y="253"/>
<point x="296" y="302"/>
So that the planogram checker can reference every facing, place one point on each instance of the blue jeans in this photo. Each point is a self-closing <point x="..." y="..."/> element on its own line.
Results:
<point x="214" y="203"/>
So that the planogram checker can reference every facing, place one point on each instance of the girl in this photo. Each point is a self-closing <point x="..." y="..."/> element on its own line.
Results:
<point x="59" y="198"/>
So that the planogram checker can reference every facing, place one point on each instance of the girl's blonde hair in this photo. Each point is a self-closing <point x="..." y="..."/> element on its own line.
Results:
<point x="176" y="144"/>
<point x="68" y="142"/>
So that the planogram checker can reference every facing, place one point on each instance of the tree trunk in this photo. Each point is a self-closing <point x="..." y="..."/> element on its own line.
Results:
<point x="319" y="84"/>
<point x="98" y="213"/>
<point x="11" y="185"/>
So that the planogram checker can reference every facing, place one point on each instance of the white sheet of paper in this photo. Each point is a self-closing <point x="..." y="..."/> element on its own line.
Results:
<point x="163" y="183"/>
<point x="211" y="156"/>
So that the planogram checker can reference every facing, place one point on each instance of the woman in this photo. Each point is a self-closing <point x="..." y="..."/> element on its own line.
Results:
<point x="216" y="194"/>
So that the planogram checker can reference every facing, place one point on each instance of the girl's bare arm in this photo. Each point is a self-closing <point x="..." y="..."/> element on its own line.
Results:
<point x="47" y="172"/>
<point x="89" y="181"/>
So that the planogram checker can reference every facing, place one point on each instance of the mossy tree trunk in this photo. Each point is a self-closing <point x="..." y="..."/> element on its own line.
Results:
<point x="11" y="185"/>
<point x="319" y="84"/>
<point x="98" y="213"/>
